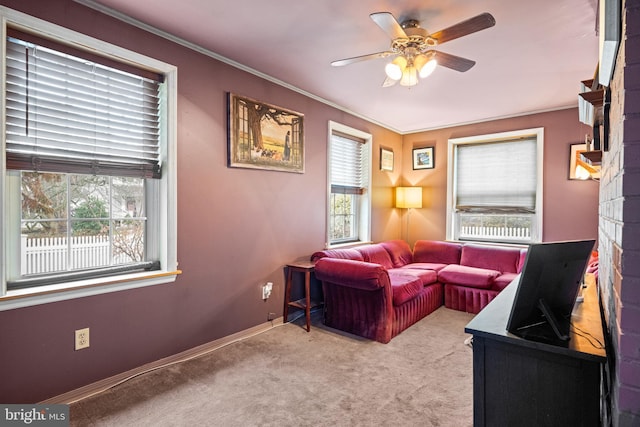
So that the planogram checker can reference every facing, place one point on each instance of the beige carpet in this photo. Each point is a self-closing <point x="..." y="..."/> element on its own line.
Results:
<point x="288" y="377"/>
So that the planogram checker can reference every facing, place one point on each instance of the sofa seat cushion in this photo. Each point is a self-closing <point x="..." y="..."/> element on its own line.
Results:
<point x="404" y="287"/>
<point x="503" y="280"/>
<point x="426" y="276"/>
<point x="435" y="266"/>
<point x="468" y="276"/>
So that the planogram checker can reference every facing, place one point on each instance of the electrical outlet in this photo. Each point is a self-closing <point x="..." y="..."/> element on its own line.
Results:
<point x="271" y="316"/>
<point x="266" y="290"/>
<point x="82" y="338"/>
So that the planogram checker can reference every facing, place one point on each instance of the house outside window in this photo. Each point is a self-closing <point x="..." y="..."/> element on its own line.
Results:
<point x="495" y="187"/>
<point x="349" y="204"/>
<point x="89" y="171"/>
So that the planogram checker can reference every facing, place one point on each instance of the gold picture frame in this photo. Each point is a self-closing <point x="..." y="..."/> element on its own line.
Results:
<point x="264" y="136"/>
<point x="574" y="151"/>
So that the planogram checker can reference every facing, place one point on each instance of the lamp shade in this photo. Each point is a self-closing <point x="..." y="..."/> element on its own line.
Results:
<point x="408" y="197"/>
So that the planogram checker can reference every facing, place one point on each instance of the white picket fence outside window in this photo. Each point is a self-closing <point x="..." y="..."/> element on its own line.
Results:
<point x="51" y="254"/>
<point x="503" y="233"/>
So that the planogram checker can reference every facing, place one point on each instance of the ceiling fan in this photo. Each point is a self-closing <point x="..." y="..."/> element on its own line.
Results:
<point x="414" y="48"/>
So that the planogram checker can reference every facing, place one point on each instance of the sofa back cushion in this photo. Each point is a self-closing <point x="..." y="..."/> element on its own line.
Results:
<point x="338" y="253"/>
<point x="399" y="251"/>
<point x="437" y="252"/>
<point x="502" y="259"/>
<point x="376" y="254"/>
<point x="523" y="258"/>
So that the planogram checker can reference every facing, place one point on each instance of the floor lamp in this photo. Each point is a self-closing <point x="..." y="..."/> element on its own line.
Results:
<point x="408" y="198"/>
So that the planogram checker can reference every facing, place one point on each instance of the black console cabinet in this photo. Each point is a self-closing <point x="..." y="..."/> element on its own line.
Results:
<point x="517" y="382"/>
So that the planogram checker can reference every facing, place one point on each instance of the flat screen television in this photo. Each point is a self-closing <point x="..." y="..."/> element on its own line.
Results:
<point x="547" y="290"/>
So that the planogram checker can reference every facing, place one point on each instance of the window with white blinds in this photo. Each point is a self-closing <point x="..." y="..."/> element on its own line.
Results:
<point x="349" y="204"/>
<point x="70" y="114"/>
<point x="495" y="187"/>
<point x="347" y="165"/>
<point x="90" y="172"/>
<point x="499" y="176"/>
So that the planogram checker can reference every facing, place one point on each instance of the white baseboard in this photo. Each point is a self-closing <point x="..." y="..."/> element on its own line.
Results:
<point x="107" y="383"/>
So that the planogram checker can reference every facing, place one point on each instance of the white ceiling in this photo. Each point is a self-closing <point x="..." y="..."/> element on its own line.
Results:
<point x="532" y="60"/>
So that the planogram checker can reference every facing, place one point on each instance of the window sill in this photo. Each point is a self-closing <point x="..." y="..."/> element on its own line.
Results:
<point x="83" y="288"/>
<point x="495" y="243"/>
<point x="349" y="244"/>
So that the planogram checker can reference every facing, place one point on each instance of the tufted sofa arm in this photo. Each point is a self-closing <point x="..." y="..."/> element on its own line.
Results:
<point x="358" y="297"/>
<point x="355" y="274"/>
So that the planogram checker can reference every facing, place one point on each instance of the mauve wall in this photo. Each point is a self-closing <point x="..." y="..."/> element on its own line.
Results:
<point x="238" y="227"/>
<point x="236" y="230"/>
<point x="570" y="206"/>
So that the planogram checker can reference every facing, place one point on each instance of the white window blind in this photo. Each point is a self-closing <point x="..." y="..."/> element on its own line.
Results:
<point x="69" y="114"/>
<point x="347" y="165"/>
<point x="498" y="176"/>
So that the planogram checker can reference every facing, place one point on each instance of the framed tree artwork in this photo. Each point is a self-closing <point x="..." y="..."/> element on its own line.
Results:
<point x="264" y="136"/>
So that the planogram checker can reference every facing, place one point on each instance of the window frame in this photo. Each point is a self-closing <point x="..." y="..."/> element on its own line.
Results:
<point x="538" y="134"/>
<point x="364" y="207"/>
<point x="165" y="189"/>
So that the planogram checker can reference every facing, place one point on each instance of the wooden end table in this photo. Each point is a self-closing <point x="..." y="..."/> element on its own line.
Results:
<point x="305" y="303"/>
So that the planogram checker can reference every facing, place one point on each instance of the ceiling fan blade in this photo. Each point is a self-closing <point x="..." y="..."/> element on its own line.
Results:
<point x="457" y="63"/>
<point x="347" y="61"/>
<point x="389" y="82"/>
<point x="389" y="25"/>
<point x="471" y="25"/>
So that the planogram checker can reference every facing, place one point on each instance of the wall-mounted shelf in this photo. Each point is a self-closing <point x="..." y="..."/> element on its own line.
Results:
<point x="593" y="109"/>
<point x="590" y="161"/>
<point x="592" y="157"/>
<point x="595" y="97"/>
<point x="590" y="102"/>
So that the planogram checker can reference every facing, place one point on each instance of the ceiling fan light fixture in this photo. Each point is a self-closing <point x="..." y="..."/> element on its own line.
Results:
<point x="428" y="68"/>
<point x="425" y="64"/>
<point x="395" y="69"/>
<point x="413" y="47"/>
<point x="409" y="76"/>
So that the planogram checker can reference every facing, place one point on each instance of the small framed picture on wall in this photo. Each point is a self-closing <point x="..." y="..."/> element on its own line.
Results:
<point x="424" y="158"/>
<point x="386" y="159"/>
<point x="574" y="153"/>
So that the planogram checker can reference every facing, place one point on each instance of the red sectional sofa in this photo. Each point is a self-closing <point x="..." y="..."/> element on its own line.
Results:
<point x="376" y="291"/>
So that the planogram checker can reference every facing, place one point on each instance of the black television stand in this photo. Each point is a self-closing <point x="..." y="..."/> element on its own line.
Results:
<point x="518" y="381"/>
